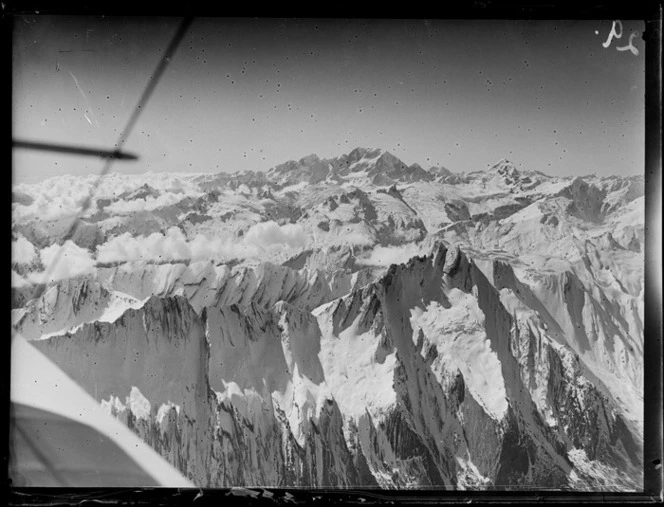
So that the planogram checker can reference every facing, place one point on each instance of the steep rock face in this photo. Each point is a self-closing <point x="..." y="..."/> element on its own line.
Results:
<point x="212" y="182"/>
<point x="310" y="169"/>
<point x="106" y="294"/>
<point x="142" y="192"/>
<point x="360" y="219"/>
<point x="268" y="358"/>
<point x="68" y="304"/>
<point x="388" y="169"/>
<point x="586" y="200"/>
<point x="440" y="173"/>
<point x="136" y="223"/>
<point x="86" y="235"/>
<point x="509" y="176"/>
<point x="331" y="259"/>
<point x="564" y="385"/>
<point x="525" y="449"/>
<point x="522" y="432"/>
<point x="205" y="284"/>
<point x="20" y="297"/>
<point x="372" y="388"/>
<point x="255" y="447"/>
<point x="620" y="192"/>
<point x="172" y="365"/>
<point x="606" y="331"/>
<point x="457" y="211"/>
<point x="578" y="410"/>
<point x="410" y="418"/>
<point x="589" y="420"/>
<point x="161" y="351"/>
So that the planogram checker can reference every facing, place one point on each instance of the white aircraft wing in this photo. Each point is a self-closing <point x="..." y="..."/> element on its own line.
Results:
<point x="61" y="436"/>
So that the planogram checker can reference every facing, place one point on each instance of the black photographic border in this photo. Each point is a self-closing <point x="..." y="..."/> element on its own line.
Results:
<point x="648" y="11"/>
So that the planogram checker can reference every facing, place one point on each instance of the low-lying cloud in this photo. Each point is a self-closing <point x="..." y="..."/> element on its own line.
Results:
<point x="388" y="255"/>
<point x="63" y="261"/>
<point x="18" y="280"/>
<point x="23" y="252"/>
<point x="171" y="246"/>
<point x="144" y="204"/>
<point x="271" y="233"/>
<point x="63" y="196"/>
<point x="260" y="241"/>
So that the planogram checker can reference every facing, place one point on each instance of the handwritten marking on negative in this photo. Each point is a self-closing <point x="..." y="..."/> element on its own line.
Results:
<point x="618" y="34"/>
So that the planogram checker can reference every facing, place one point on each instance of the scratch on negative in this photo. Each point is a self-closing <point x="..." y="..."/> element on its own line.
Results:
<point x="88" y="108"/>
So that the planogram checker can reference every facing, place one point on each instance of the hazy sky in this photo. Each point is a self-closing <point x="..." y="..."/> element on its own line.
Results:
<point x="250" y="94"/>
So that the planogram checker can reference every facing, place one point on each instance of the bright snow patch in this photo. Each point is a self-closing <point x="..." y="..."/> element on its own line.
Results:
<point x="165" y="409"/>
<point x="358" y="382"/>
<point x="139" y="404"/>
<point x="459" y="335"/>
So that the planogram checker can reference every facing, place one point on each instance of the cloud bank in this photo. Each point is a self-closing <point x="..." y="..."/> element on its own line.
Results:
<point x="261" y="241"/>
<point x="18" y="280"/>
<point x="146" y="204"/>
<point x="66" y="261"/>
<point x="387" y="255"/>
<point x="63" y="196"/>
<point x="23" y="252"/>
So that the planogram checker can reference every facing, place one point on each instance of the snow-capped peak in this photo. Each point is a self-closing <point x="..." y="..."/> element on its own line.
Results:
<point x="504" y="166"/>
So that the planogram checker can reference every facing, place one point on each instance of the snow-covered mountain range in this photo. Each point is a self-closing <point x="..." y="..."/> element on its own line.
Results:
<point x="355" y="321"/>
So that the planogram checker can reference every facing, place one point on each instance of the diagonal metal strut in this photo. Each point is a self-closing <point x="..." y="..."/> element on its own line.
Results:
<point x="138" y="109"/>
